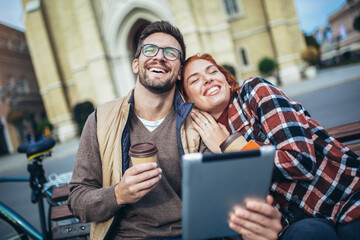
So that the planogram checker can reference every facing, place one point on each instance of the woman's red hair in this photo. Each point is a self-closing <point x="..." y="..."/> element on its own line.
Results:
<point x="229" y="77"/>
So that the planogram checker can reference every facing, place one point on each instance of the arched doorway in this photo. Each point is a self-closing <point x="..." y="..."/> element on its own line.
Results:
<point x="122" y="34"/>
<point x="134" y="35"/>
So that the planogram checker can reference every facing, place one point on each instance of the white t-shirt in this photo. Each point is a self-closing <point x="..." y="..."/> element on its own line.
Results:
<point x="151" y="125"/>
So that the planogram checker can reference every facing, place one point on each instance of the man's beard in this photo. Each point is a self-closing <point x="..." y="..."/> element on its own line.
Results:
<point x="155" y="85"/>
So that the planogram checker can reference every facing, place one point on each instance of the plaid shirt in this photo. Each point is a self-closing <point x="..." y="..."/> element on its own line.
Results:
<point x="313" y="171"/>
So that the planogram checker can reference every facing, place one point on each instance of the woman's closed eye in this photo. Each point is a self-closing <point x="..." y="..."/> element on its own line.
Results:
<point x="193" y="80"/>
<point x="213" y="70"/>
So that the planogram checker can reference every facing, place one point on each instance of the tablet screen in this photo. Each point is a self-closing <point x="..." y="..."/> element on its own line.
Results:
<point x="214" y="183"/>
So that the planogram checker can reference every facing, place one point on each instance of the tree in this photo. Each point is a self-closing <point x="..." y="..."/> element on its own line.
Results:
<point x="81" y="113"/>
<point x="267" y="66"/>
<point x="45" y="127"/>
<point x="310" y="55"/>
<point x="311" y="41"/>
<point x="230" y="68"/>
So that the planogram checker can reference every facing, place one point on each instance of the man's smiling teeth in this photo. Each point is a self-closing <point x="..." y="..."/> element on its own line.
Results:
<point x="211" y="90"/>
<point x="157" y="70"/>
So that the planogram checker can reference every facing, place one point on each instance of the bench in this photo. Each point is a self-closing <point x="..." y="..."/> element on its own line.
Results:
<point x="347" y="134"/>
<point x="66" y="226"/>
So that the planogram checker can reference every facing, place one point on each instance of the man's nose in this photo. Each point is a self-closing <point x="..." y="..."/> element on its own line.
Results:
<point x="160" y="54"/>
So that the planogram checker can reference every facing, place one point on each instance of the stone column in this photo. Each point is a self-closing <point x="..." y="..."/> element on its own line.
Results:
<point x="285" y="31"/>
<point x="47" y="72"/>
<point x="97" y="66"/>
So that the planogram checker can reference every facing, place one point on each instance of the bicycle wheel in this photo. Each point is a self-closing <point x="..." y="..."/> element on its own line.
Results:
<point x="8" y="230"/>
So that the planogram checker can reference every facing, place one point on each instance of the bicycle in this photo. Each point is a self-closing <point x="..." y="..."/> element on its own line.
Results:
<point x="14" y="226"/>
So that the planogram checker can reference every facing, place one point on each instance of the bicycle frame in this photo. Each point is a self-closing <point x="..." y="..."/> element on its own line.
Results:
<point x="36" y="179"/>
<point x="40" y="188"/>
<point x="20" y="222"/>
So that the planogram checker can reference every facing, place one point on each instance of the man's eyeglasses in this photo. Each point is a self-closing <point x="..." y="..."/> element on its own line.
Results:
<point x="170" y="53"/>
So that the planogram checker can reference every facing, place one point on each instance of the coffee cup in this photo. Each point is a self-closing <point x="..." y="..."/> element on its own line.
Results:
<point x="143" y="153"/>
<point x="234" y="143"/>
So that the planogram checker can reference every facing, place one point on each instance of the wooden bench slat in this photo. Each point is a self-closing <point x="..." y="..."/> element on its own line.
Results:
<point x="355" y="147"/>
<point x="60" y="193"/>
<point x="345" y="132"/>
<point x="60" y="212"/>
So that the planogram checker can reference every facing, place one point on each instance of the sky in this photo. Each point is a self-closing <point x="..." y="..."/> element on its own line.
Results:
<point x="11" y="14"/>
<point x="312" y="14"/>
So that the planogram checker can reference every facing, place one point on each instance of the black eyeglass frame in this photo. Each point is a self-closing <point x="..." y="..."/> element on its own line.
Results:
<point x="163" y="48"/>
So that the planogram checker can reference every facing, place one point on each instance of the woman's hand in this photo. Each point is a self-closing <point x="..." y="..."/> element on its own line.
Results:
<point x="257" y="220"/>
<point x="212" y="133"/>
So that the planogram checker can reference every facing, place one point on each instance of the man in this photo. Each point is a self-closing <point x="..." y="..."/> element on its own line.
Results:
<point x="144" y="201"/>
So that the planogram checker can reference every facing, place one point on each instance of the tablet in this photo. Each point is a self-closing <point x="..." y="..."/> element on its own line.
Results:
<point x="214" y="183"/>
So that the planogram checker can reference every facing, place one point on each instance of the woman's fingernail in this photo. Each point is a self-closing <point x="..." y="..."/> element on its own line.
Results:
<point x="239" y="212"/>
<point x="251" y="205"/>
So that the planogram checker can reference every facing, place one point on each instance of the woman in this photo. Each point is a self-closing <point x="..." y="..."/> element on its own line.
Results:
<point x="315" y="179"/>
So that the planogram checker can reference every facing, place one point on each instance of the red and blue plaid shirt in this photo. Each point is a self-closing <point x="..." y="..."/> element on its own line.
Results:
<point x="312" y="170"/>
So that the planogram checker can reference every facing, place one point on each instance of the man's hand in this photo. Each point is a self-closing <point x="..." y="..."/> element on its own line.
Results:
<point x="211" y="132"/>
<point x="136" y="182"/>
<point x="257" y="221"/>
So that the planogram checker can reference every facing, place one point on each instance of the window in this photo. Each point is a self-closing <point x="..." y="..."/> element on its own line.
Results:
<point x="25" y="48"/>
<point x="21" y="86"/>
<point x="2" y="94"/>
<point x="5" y="44"/>
<point x="243" y="56"/>
<point x="232" y="8"/>
<point x="10" y="83"/>
<point x="350" y="2"/>
<point x="16" y="46"/>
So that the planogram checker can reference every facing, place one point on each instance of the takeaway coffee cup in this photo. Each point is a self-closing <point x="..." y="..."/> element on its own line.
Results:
<point x="143" y="153"/>
<point x="234" y="143"/>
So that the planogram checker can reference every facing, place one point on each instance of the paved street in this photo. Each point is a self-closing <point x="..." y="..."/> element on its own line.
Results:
<point x="17" y="195"/>
<point x="332" y="98"/>
<point x="333" y="106"/>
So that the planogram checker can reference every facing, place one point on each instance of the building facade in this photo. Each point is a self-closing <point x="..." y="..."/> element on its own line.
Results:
<point x="344" y="40"/>
<point x="21" y="106"/>
<point x="82" y="50"/>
